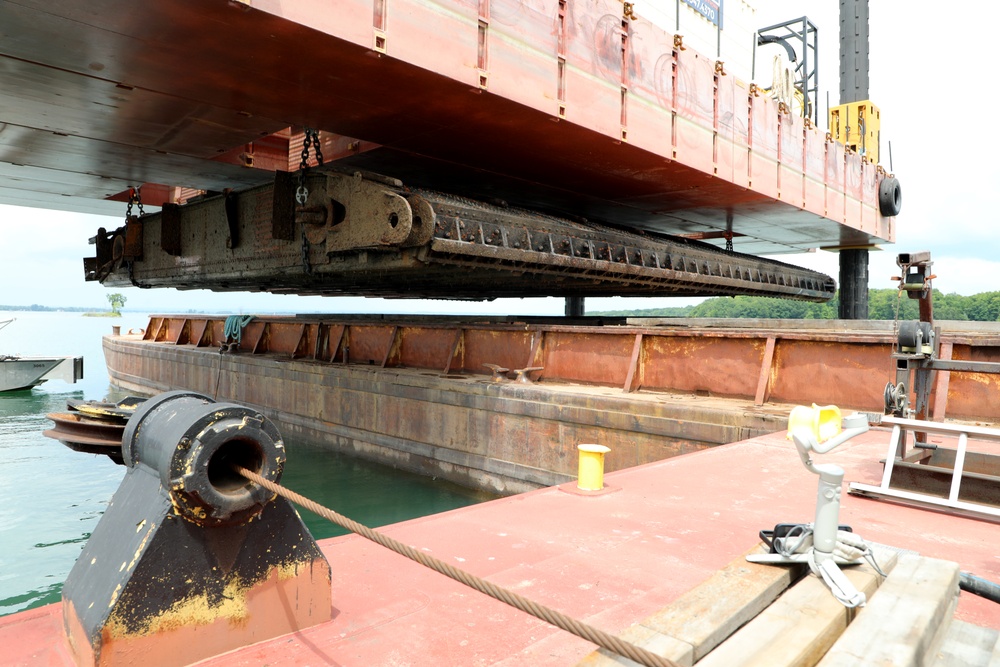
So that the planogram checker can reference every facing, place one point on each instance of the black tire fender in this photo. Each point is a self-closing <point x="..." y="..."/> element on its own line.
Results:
<point x="890" y="196"/>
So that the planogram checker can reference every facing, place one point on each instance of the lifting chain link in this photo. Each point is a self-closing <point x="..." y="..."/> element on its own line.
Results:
<point x="311" y="141"/>
<point x="134" y="197"/>
<point x="729" y="241"/>
<point x="306" y="264"/>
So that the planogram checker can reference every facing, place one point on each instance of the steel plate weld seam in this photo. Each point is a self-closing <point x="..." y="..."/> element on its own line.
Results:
<point x="573" y="626"/>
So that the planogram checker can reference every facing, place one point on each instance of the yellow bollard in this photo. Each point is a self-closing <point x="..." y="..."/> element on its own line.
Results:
<point x="591" y="472"/>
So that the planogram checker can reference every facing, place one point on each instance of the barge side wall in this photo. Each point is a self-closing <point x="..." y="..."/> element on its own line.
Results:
<point x="504" y="437"/>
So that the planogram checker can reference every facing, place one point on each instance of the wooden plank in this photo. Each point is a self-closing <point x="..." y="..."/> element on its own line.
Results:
<point x="765" y="372"/>
<point x="702" y="618"/>
<point x="801" y="625"/>
<point x="967" y="645"/>
<point x="906" y="622"/>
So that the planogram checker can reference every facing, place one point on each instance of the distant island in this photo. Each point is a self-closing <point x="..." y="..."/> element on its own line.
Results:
<point x="882" y="305"/>
<point x="97" y="310"/>
<point x="36" y="308"/>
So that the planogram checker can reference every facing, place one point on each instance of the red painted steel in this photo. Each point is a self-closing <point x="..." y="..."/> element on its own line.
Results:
<point x="573" y="109"/>
<point x="610" y="560"/>
<point x="847" y="368"/>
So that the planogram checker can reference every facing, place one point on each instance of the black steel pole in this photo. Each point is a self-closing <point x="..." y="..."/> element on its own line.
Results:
<point x="853" y="88"/>
<point x="574" y="306"/>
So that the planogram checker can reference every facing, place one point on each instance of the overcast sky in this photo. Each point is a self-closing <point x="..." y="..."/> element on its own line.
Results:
<point x="930" y="76"/>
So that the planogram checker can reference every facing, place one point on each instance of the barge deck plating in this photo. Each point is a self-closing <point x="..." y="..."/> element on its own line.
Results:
<point x="610" y="559"/>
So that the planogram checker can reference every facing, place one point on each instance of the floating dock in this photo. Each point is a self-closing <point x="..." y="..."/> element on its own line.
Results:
<point x="613" y="559"/>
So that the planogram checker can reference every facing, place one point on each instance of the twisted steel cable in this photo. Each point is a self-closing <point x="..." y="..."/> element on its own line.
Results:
<point x="580" y="629"/>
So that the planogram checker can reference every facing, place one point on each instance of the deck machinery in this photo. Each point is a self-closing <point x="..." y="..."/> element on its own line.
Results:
<point x="542" y="147"/>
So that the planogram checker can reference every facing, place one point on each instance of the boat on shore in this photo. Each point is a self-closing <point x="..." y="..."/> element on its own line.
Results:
<point x="20" y="373"/>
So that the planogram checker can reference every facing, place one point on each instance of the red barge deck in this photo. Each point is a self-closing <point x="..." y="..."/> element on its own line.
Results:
<point x="611" y="559"/>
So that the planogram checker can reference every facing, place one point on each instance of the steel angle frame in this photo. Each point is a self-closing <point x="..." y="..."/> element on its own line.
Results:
<point x="897" y="450"/>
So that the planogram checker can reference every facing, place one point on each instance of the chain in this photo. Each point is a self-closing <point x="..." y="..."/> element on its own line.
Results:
<point x="306" y="264"/>
<point x="311" y="141"/>
<point x="729" y="241"/>
<point x="134" y="197"/>
<point x="302" y="193"/>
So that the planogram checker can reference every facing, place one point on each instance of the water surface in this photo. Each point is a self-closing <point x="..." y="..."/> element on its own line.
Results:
<point x="52" y="497"/>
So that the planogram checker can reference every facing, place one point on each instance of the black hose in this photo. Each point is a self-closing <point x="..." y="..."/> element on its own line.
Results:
<point x="979" y="586"/>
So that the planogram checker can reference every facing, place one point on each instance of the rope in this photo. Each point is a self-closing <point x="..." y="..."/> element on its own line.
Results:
<point x="234" y="326"/>
<point x="551" y="616"/>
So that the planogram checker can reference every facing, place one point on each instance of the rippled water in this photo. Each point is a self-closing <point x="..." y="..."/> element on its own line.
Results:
<point x="51" y="497"/>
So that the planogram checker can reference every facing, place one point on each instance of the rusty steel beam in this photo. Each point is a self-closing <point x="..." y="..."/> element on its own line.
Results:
<point x="762" y="362"/>
<point x="370" y="235"/>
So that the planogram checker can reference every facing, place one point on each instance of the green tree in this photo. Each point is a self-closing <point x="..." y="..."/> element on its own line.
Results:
<point x="882" y="305"/>
<point x="983" y="307"/>
<point x="117" y="302"/>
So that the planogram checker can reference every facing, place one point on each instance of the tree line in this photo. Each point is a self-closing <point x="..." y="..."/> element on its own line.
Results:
<point x="882" y="305"/>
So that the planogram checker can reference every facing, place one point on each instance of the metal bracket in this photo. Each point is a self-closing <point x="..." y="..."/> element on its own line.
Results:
<point x="499" y="372"/>
<point x="937" y="482"/>
<point x="522" y="374"/>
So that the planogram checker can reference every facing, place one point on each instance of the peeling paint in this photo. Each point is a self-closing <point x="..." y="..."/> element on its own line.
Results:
<point x="198" y="609"/>
<point x="114" y="596"/>
<point x="142" y="546"/>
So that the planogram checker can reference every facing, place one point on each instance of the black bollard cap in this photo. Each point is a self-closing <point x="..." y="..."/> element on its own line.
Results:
<point x="192" y="444"/>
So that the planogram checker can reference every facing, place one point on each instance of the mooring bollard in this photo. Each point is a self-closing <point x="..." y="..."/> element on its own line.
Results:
<point x="590" y="473"/>
<point x="191" y="559"/>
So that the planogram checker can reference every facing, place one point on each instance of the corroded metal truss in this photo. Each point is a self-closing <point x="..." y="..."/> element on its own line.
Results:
<point x="364" y="234"/>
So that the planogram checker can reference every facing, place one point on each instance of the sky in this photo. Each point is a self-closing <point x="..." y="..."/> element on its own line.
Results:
<point x="931" y="75"/>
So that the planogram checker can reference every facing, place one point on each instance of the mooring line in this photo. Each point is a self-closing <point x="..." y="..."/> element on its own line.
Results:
<point x="580" y="629"/>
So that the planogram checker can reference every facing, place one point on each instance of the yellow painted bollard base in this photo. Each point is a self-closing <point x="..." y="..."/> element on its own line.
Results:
<point x="590" y="476"/>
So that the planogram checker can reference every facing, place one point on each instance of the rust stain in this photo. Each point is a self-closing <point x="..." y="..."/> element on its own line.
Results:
<point x="199" y="609"/>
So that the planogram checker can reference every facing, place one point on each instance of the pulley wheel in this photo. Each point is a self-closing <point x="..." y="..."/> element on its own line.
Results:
<point x="894" y="397"/>
<point x="908" y="332"/>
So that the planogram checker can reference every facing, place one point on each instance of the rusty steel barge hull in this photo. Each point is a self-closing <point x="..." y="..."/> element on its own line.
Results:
<point x="417" y="393"/>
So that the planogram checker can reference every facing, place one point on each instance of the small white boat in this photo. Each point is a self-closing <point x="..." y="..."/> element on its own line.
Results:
<point x="18" y="372"/>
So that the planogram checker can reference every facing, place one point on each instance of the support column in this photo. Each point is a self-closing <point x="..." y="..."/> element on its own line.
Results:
<point x="853" y="50"/>
<point x="853" y="285"/>
<point x="574" y="306"/>
<point x="853" y="88"/>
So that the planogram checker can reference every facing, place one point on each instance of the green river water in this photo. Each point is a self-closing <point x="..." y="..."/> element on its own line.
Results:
<point x="51" y="497"/>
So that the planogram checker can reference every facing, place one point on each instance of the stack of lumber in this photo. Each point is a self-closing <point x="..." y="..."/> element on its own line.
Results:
<point x="766" y="615"/>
